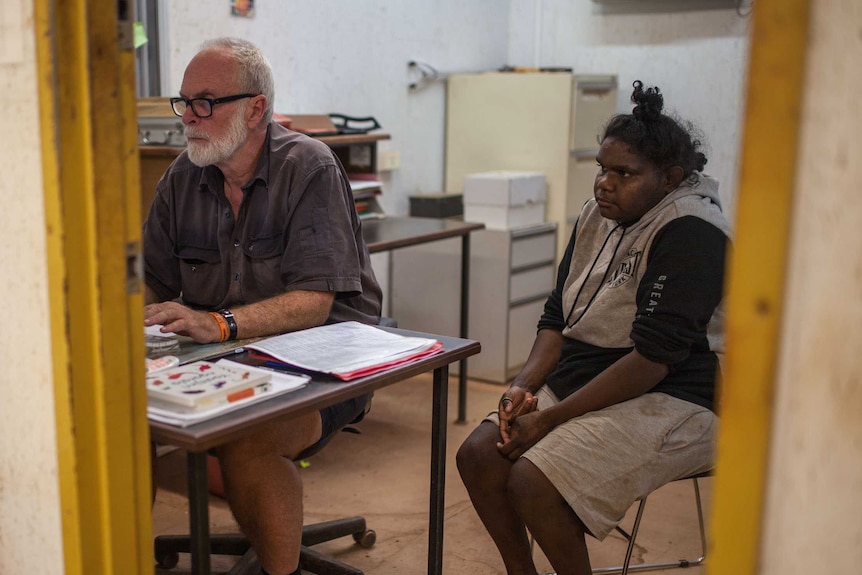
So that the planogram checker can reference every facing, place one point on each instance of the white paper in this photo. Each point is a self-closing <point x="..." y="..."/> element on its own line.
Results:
<point x="341" y="347"/>
<point x="360" y="185"/>
<point x="154" y="330"/>
<point x="281" y="383"/>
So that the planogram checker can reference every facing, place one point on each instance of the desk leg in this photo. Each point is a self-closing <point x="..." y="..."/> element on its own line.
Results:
<point x="465" y="319"/>
<point x="438" y="470"/>
<point x="199" y="523"/>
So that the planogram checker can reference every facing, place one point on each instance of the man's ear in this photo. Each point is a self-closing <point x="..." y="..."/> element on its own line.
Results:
<point x="256" y="110"/>
<point x="672" y="178"/>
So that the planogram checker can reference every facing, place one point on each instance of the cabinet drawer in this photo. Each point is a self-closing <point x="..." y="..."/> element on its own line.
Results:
<point x="531" y="283"/>
<point x="529" y="250"/>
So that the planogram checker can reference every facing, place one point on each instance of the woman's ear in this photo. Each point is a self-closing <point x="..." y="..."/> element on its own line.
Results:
<point x="672" y="178"/>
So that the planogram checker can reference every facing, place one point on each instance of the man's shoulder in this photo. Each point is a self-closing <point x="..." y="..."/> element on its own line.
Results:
<point x="287" y="144"/>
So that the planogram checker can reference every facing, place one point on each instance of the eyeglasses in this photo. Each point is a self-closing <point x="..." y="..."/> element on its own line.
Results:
<point x="203" y="107"/>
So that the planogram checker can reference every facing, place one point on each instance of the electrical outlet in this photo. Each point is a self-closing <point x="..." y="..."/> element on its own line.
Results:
<point x="388" y="160"/>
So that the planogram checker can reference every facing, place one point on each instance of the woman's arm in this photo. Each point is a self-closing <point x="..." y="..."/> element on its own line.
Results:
<point x="630" y="376"/>
<point x="519" y="398"/>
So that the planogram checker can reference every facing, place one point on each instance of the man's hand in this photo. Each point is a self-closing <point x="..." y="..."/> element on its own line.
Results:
<point x="514" y="403"/>
<point x="198" y="325"/>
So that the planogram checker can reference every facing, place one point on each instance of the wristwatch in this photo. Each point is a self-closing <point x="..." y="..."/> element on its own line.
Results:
<point x="231" y="323"/>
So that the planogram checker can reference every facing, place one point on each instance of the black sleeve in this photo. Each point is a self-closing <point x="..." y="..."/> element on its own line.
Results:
<point x="552" y="317"/>
<point x="680" y="290"/>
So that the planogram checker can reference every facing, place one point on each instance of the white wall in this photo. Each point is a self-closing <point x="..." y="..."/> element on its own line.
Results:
<point x="30" y="531"/>
<point x="350" y="56"/>
<point x="697" y="58"/>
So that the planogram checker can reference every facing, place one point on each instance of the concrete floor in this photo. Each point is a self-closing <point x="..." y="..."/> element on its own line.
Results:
<point x="383" y="475"/>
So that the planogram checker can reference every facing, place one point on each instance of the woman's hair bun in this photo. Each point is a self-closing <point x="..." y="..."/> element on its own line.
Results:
<point x="648" y="103"/>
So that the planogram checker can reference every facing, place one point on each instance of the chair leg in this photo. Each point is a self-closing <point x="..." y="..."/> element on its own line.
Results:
<point x="626" y="568"/>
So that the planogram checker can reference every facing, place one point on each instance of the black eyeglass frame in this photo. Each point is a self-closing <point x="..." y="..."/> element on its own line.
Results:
<point x="190" y="103"/>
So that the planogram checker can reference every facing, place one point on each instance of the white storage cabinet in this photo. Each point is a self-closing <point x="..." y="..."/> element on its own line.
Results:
<point x="512" y="273"/>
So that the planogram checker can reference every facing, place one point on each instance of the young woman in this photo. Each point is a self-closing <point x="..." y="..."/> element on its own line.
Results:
<point x="617" y="395"/>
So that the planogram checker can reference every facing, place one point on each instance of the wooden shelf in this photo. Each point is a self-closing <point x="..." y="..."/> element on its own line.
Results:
<point x="155" y="159"/>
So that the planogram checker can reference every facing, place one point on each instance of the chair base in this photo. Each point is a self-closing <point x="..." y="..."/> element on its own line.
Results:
<point x="168" y="547"/>
<point x="626" y="567"/>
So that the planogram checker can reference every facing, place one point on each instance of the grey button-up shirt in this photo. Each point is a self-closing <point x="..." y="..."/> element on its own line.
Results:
<point x="297" y="229"/>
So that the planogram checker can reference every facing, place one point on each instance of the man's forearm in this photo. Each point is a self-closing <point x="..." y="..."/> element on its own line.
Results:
<point x="150" y="296"/>
<point x="289" y="311"/>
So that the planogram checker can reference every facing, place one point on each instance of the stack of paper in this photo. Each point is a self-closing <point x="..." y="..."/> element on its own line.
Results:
<point x="278" y="384"/>
<point x="346" y="350"/>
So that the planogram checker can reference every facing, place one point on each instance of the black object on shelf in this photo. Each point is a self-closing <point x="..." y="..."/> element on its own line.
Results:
<point x="350" y="125"/>
<point x="437" y="205"/>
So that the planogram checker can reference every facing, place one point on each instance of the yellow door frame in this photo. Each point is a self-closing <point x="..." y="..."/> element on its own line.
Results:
<point x="89" y="146"/>
<point x="756" y="281"/>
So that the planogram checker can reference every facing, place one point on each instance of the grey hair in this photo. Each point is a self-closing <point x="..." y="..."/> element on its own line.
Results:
<point x="254" y="71"/>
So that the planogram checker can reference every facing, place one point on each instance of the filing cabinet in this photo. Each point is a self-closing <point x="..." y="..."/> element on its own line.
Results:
<point x="511" y="274"/>
<point x="546" y="122"/>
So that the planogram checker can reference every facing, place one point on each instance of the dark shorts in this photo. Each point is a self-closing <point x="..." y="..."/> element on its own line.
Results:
<point x="334" y="418"/>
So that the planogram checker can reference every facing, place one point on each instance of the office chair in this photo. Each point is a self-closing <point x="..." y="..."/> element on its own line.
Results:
<point x="626" y="567"/>
<point x="166" y="548"/>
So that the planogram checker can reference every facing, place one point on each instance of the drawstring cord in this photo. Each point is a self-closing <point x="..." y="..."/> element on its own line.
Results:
<point x="601" y="283"/>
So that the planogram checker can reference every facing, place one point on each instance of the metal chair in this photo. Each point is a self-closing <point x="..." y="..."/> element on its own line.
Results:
<point x="626" y="567"/>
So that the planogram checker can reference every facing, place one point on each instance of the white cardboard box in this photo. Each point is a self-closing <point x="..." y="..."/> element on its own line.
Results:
<point x="505" y="199"/>
<point x="504" y="188"/>
<point x="505" y="217"/>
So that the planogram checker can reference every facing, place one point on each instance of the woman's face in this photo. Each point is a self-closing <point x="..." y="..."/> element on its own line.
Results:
<point x="627" y="185"/>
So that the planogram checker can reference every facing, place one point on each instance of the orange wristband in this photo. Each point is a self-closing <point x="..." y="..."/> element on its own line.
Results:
<point x="222" y="325"/>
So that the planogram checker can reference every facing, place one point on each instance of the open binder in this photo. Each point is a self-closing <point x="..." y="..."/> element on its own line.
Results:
<point x="346" y="350"/>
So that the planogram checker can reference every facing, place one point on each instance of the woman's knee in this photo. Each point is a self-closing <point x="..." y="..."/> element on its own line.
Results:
<point x="524" y="481"/>
<point x="477" y="451"/>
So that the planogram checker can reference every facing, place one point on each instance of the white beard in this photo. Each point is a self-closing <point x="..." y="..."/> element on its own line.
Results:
<point x="214" y="151"/>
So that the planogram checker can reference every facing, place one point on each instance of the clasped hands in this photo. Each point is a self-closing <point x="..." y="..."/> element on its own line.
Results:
<point x="180" y="319"/>
<point x="521" y="424"/>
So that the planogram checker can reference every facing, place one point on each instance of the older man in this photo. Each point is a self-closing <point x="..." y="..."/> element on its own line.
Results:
<point x="252" y="232"/>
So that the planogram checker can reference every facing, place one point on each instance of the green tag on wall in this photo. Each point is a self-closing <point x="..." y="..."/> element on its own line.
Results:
<point x="140" y="35"/>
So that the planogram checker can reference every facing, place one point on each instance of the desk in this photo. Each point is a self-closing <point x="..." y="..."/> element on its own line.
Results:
<point x="320" y="392"/>
<point x="393" y="232"/>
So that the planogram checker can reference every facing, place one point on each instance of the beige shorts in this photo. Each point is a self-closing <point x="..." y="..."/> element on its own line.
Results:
<point x="604" y="461"/>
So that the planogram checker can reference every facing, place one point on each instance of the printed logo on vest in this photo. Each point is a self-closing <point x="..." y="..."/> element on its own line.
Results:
<point x="626" y="270"/>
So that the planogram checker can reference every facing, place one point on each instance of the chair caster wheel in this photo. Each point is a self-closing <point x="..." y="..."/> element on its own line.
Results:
<point x="365" y="539"/>
<point x="167" y="560"/>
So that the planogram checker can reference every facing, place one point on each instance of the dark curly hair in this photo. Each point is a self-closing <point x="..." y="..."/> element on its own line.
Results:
<point x="663" y="140"/>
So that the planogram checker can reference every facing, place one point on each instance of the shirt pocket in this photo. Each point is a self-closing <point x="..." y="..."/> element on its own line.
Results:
<point x="263" y="255"/>
<point x="202" y="275"/>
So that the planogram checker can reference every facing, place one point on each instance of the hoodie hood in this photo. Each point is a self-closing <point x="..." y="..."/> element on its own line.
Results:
<point x="696" y="196"/>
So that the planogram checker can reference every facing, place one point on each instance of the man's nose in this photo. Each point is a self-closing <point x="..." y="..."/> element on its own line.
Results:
<point x="188" y="115"/>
